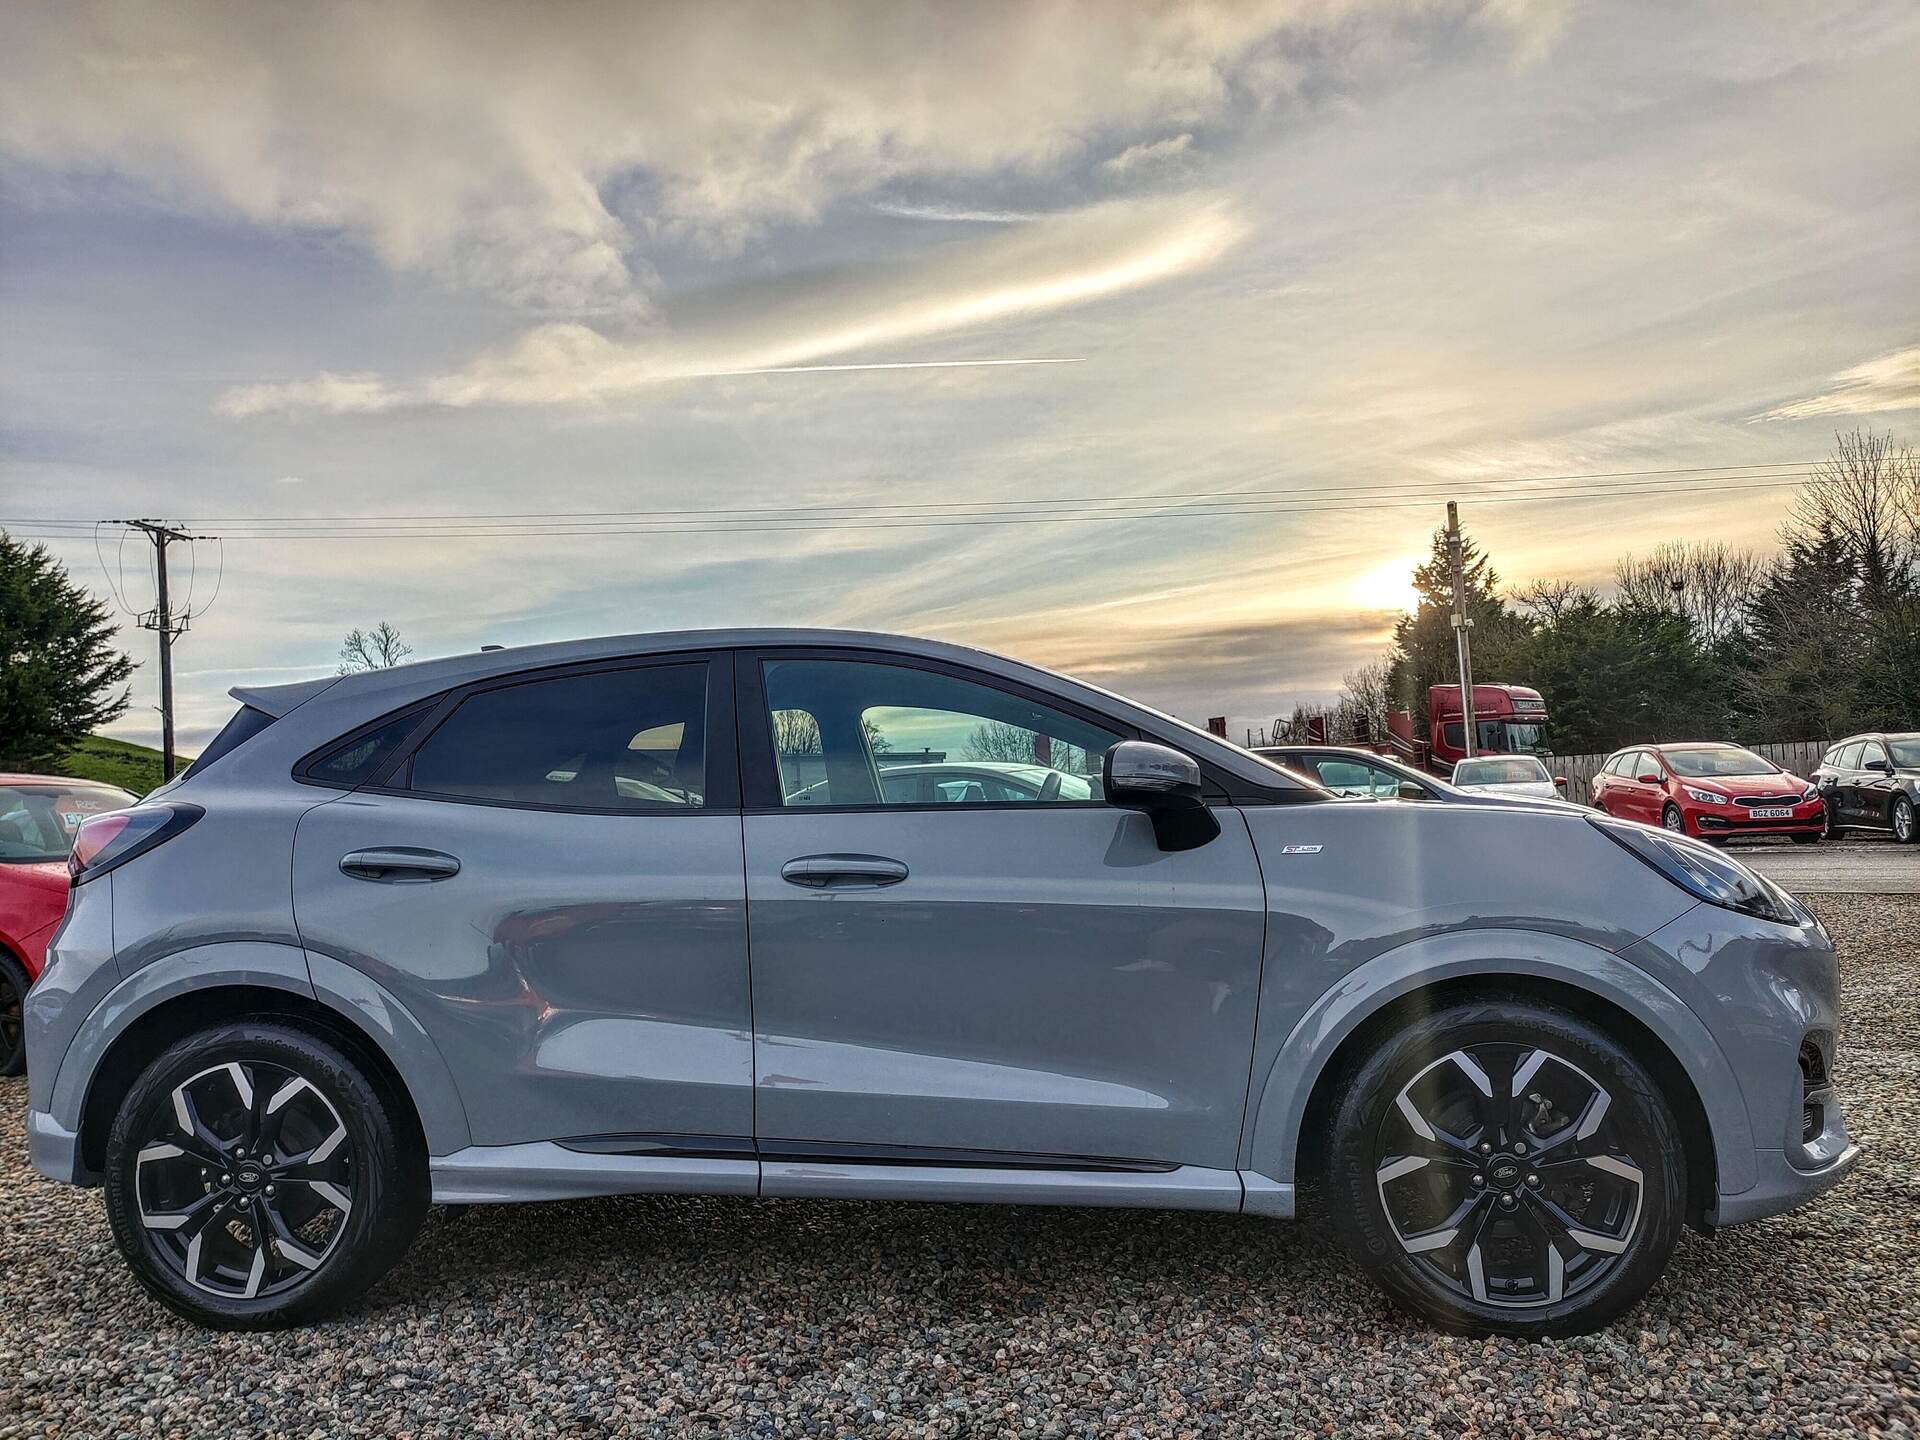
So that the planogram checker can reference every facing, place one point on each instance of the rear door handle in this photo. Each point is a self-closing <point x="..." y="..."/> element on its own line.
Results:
<point x="399" y="865"/>
<point x="843" y="872"/>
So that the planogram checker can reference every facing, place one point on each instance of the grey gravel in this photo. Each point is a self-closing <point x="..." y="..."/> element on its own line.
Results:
<point x="680" y="1317"/>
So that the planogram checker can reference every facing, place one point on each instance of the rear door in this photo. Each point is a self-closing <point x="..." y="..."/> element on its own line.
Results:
<point x="997" y="982"/>
<point x="1874" y="789"/>
<point x="548" y="875"/>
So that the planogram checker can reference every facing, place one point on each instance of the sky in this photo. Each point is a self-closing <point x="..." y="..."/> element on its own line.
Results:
<point x="770" y="310"/>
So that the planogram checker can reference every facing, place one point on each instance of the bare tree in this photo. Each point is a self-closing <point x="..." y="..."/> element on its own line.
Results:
<point x="1368" y="696"/>
<point x="1868" y="494"/>
<point x="1709" y="585"/>
<point x="1548" y="600"/>
<point x="380" y="648"/>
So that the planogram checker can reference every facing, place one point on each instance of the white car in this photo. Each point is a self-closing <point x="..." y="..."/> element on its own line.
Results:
<point x="1506" y="775"/>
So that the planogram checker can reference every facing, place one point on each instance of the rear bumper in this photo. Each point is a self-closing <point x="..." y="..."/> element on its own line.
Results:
<point x="54" y="1150"/>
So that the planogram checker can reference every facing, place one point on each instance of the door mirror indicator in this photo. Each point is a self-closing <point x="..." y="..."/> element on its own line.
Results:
<point x="1164" y="785"/>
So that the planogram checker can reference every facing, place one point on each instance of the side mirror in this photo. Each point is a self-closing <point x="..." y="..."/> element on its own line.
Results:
<point x="1649" y="779"/>
<point x="1164" y="785"/>
<point x="1559" y="782"/>
<point x="1412" y="790"/>
<point x="1882" y="766"/>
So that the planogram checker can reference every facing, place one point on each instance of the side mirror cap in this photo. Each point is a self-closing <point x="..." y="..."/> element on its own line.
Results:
<point x="1164" y="785"/>
<point x="1880" y="765"/>
<point x="1559" y="782"/>
<point x="1412" y="790"/>
<point x="1649" y="779"/>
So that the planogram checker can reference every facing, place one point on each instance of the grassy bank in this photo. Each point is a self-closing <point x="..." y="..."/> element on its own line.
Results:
<point x="115" y="762"/>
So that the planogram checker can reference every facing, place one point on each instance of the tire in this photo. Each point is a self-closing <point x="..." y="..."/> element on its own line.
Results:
<point x="1671" y="819"/>
<point x="1828" y="829"/>
<point x="1477" y="1264"/>
<point x="13" y="999"/>
<point x="1903" y="821"/>
<point x="1808" y="839"/>
<point x="253" y="1254"/>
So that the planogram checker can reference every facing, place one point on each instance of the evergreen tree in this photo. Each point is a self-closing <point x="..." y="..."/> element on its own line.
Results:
<point x="58" y="668"/>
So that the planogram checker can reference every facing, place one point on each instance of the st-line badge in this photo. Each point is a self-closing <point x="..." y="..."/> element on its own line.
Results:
<point x="1299" y="849"/>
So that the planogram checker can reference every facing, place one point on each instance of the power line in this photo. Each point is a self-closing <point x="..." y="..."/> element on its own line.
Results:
<point x="459" y="529"/>
<point x="1782" y="470"/>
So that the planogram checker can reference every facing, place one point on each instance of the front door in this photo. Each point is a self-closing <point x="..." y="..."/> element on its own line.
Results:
<point x="997" y="967"/>
<point x="551" y="883"/>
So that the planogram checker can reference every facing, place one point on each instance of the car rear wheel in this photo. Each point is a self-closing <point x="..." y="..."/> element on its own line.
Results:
<point x="257" y="1178"/>
<point x="13" y="999"/>
<point x="1906" y="829"/>
<point x="1504" y="1167"/>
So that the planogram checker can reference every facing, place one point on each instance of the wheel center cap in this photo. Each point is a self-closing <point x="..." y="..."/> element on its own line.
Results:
<point x="1504" y="1174"/>
<point x="249" y="1177"/>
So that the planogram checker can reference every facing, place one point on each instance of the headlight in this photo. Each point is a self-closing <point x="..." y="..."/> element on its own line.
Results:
<point x="1707" y="797"/>
<point x="1812" y="792"/>
<point x="1704" y="872"/>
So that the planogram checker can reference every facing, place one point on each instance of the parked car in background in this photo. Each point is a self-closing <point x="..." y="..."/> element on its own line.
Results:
<point x="452" y="932"/>
<point x="1872" y="782"/>
<point x="1711" y="789"/>
<point x="1515" y="775"/>
<point x="39" y="816"/>
<point x="1351" y="772"/>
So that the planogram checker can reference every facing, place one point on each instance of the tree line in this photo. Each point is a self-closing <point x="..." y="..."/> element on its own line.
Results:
<point x="1695" y="638"/>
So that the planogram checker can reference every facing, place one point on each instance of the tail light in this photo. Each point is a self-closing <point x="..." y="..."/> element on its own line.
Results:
<point x="104" y="841"/>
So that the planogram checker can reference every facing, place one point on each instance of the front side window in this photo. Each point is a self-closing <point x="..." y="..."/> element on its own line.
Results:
<point x="1355" y="777"/>
<point x="614" y="740"/>
<point x="849" y="732"/>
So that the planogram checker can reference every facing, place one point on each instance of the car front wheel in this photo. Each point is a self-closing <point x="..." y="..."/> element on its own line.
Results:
<point x="1504" y="1167"/>
<point x="1906" y="829"/>
<point x="257" y="1178"/>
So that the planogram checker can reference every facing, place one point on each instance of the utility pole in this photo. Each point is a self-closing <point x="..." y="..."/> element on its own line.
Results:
<point x="162" y="619"/>
<point x="1462" y="632"/>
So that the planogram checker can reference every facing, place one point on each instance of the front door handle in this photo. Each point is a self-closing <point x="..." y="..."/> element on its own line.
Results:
<point x="843" y="872"/>
<point x="399" y="865"/>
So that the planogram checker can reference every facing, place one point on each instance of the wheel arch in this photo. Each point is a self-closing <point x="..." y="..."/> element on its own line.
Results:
<point x="1631" y="1006"/>
<point x="128" y="1030"/>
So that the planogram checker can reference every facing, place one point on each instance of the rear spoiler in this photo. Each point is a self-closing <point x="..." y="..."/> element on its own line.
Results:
<point x="277" y="700"/>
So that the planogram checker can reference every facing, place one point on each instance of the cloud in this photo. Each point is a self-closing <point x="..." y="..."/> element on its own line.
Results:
<point x="1152" y="159"/>
<point x="1069" y="259"/>
<point x="1891" y="382"/>
<point x="543" y="153"/>
<point x="954" y="214"/>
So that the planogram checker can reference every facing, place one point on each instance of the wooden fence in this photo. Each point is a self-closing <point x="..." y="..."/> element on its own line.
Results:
<point x="1796" y="757"/>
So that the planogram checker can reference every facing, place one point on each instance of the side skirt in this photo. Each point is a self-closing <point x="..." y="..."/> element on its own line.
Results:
<point x="546" y="1170"/>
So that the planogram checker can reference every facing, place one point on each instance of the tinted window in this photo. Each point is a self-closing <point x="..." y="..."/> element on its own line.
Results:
<point x="1849" y="756"/>
<point x="610" y="740"/>
<point x="245" y="723"/>
<point x="857" y="733"/>
<point x="361" y="757"/>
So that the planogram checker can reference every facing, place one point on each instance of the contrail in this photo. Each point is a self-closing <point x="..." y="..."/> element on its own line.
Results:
<point x="879" y="365"/>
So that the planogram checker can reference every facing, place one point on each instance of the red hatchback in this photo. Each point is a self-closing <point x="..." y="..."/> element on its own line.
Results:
<point x="1708" y="790"/>
<point x="38" y="817"/>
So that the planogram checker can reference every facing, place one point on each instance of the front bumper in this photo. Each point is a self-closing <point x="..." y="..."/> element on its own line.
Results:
<point x="1782" y="1186"/>
<point x="1708" y="821"/>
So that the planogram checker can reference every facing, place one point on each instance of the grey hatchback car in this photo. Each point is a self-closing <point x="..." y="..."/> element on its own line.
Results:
<point x="641" y="915"/>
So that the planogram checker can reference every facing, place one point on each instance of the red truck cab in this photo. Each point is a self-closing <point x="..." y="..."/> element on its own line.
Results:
<point x="1507" y="719"/>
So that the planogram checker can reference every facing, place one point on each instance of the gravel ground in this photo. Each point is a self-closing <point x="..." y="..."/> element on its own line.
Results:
<point x="703" y="1317"/>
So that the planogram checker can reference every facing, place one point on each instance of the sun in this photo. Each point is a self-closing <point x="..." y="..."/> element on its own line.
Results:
<point x="1387" y="586"/>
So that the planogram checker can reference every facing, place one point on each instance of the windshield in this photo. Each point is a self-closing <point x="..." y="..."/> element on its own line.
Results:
<point x="37" y="822"/>
<point x="1720" y="760"/>
<point x="1906" y="753"/>
<point x="1518" y="771"/>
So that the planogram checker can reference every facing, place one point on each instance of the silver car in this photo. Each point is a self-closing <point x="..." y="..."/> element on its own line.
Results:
<point x="645" y="914"/>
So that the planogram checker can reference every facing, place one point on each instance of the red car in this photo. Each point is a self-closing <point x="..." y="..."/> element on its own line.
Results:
<point x="38" y="817"/>
<point x="1708" y="790"/>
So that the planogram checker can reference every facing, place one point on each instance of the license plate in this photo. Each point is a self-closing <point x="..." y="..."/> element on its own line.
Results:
<point x="1777" y="812"/>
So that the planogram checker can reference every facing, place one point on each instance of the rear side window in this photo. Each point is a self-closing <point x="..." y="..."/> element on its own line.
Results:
<point x="359" y="759"/>
<point x="242" y="726"/>
<point x="1849" y="756"/>
<point x="613" y="740"/>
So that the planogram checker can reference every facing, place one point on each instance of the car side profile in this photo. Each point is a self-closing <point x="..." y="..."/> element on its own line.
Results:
<point x="642" y="914"/>
<point x="1711" y="790"/>
<point x="1872" y="782"/>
